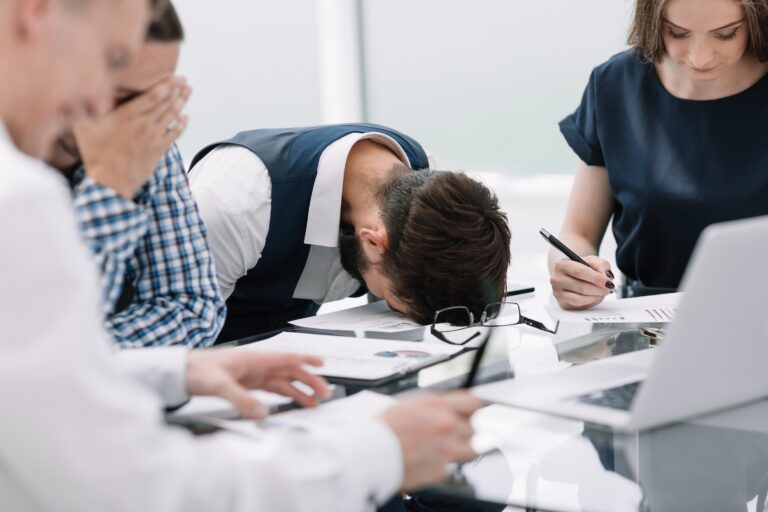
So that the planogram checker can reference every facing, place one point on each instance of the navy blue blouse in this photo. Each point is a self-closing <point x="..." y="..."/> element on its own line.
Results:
<point x="674" y="165"/>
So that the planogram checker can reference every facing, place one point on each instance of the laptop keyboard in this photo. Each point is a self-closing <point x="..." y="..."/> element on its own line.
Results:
<point x="615" y="398"/>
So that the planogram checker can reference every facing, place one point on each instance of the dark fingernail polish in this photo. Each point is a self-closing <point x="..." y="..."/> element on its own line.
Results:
<point x="609" y="274"/>
<point x="610" y="285"/>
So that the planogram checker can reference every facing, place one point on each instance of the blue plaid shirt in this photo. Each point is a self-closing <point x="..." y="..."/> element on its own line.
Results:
<point x="157" y="244"/>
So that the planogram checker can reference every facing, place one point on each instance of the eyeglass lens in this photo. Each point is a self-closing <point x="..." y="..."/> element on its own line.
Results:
<point x="501" y="313"/>
<point x="453" y="319"/>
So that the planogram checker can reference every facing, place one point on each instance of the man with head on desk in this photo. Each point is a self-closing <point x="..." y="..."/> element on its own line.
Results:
<point x="302" y="216"/>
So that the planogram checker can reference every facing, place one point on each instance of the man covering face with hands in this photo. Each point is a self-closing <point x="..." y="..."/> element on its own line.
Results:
<point x="134" y="205"/>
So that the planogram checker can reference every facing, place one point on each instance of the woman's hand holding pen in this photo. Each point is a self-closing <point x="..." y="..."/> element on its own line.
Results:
<point x="577" y="286"/>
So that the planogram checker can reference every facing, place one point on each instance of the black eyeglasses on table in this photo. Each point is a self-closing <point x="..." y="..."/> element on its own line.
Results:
<point x="449" y="322"/>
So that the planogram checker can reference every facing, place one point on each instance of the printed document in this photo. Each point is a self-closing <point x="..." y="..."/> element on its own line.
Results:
<point x="329" y="415"/>
<point x="651" y="309"/>
<point x="215" y="407"/>
<point x="358" y="358"/>
<point x="362" y="405"/>
<point x="374" y="317"/>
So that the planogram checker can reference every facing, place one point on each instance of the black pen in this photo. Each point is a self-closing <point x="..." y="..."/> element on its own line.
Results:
<point x="474" y="369"/>
<point x="560" y="246"/>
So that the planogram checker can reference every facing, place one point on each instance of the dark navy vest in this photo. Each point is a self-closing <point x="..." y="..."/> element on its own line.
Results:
<point x="263" y="300"/>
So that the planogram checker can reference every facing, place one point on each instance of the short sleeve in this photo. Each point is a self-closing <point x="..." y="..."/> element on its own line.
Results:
<point x="580" y="128"/>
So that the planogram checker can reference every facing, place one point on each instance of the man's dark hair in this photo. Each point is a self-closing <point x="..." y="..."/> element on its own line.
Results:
<point x="165" y="26"/>
<point x="449" y="244"/>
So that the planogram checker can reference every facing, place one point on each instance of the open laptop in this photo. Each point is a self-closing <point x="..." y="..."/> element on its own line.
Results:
<point x="713" y="357"/>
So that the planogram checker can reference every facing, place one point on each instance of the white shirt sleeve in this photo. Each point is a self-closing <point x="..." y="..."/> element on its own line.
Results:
<point x="161" y="369"/>
<point x="234" y="195"/>
<point x="79" y="433"/>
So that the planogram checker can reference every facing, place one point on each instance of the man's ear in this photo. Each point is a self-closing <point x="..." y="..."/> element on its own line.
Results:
<point x="374" y="243"/>
<point x="29" y="17"/>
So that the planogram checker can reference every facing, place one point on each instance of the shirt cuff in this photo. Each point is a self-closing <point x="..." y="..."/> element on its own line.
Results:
<point x="108" y="220"/>
<point x="163" y="369"/>
<point x="373" y="449"/>
<point x="579" y="144"/>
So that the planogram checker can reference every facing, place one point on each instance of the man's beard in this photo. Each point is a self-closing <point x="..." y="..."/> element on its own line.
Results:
<point x="351" y="254"/>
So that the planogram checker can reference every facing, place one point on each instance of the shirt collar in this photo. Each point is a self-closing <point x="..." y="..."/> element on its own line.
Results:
<point x="325" y="204"/>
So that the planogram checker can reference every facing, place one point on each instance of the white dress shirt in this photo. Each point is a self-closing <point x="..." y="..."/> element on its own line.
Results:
<point x="234" y="193"/>
<point x="82" y="428"/>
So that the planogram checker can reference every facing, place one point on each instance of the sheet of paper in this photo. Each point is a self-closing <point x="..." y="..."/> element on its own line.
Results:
<point x="215" y="407"/>
<point x="365" y="404"/>
<point x="374" y="317"/>
<point x="368" y="404"/>
<point x="655" y="308"/>
<point x="357" y="358"/>
<point x="362" y="405"/>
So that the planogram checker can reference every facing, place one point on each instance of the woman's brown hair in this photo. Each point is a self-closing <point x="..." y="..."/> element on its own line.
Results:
<point x="648" y="24"/>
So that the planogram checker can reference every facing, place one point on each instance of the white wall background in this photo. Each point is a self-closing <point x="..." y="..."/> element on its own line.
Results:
<point x="485" y="82"/>
<point x="482" y="82"/>
<point x="251" y="63"/>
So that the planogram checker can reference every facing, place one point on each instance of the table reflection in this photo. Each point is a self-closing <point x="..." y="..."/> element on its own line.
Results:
<point x="542" y="462"/>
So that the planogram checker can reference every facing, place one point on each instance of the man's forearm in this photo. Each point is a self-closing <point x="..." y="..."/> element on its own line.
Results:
<point x="176" y="297"/>
<point x="112" y="228"/>
<point x="194" y="321"/>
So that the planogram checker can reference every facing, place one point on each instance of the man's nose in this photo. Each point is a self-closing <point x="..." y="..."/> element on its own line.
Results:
<point x="100" y="97"/>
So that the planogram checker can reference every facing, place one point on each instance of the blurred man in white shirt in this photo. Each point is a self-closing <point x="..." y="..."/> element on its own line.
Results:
<point x="82" y="427"/>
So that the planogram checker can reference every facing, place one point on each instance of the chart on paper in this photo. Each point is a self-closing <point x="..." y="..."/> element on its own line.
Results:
<point x="640" y="316"/>
<point x="357" y="358"/>
<point x="658" y="308"/>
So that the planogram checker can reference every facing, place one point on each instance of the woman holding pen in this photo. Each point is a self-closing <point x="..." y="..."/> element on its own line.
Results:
<point x="672" y="136"/>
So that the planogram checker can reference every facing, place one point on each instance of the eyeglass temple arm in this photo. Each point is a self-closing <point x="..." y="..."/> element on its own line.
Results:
<point x="437" y="334"/>
<point x="538" y="325"/>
